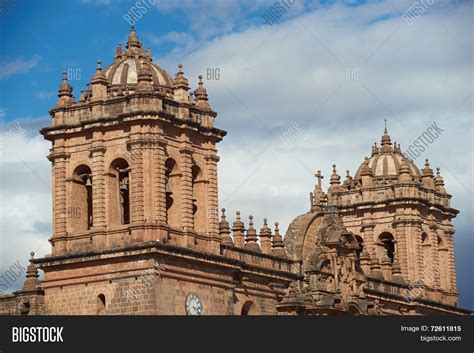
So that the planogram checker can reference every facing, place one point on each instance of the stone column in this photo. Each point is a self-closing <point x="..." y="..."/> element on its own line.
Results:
<point x="368" y="230"/>
<point x="187" y="218"/>
<point x="401" y="251"/>
<point x="451" y="266"/>
<point x="414" y="243"/>
<point x="212" y="201"/>
<point x="434" y="271"/>
<point x="148" y="187"/>
<point x="97" y="152"/>
<point x="59" y="159"/>
<point x="159" y="171"/>
<point x="136" y="183"/>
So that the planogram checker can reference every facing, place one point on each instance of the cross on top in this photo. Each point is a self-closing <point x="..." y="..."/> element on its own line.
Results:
<point x="319" y="176"/>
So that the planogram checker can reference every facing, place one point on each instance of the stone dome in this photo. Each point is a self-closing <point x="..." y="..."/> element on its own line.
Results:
<point x="386" y="160"/>
<point x="125" y="70"/>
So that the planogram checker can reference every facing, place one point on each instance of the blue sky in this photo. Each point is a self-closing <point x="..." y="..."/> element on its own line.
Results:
<point x="272" y="76"/>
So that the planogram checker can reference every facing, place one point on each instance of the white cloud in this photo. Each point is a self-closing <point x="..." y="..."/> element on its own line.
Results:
<point x="18" y="66"/>
<point x="44" y="95"/>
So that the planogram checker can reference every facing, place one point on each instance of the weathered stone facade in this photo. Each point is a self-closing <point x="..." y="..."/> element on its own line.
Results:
<point x="136" y="225"/>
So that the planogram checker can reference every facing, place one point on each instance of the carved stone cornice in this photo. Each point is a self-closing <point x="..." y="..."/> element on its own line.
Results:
<point x="58" y="155"/>
<point x="98" y="148"/>
<point x="212" y="158"/>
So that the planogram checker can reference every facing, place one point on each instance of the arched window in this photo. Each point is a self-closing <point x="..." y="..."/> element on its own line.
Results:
<point x="249" y="308"/>
<point x="443" y="264"/>
<point x="199" y="200"/>
<point x="426" y="250"/>
<point x="386" y="246"/>
<point x="173" y="193"/>
<point x="100" y="304"/>
<point x="119" y="192"/>
<point x="360" y="243"/>
<point x="80" y="212"/>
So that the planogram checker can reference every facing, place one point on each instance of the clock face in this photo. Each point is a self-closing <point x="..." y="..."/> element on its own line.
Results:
<point x="193" y="305"/>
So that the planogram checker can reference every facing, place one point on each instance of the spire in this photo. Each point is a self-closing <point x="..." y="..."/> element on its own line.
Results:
<point x="224" y="230"/>
<point x="99" y="76"/>
<point x="375" y="149"/>
<point x="439" y="182"/>
<point x="386" y="141"/>
<point x="65" y="97"/>
<point x="366" y="170"/>
<point x="181" y="81"/>
<point x="65" y="89"/>
<point x="266" y="238"/>
<point x="238" y="230"/>
<point x="31" y="283"/>
<point x="277" y="243"/>
<point x="335" y="178"/>
<point x="251" y="237"/>
<point x="404" y="172"/>
<point x="201" y="96"/>
<point x="427" y="176"/>
<point x="348" y="180"/>
<point x="145" y="78"/>
<point x="132" y="41"/>
<point x="118" y="52"/>
<point x="148" y="55"/>
<point x="427" y="171"/>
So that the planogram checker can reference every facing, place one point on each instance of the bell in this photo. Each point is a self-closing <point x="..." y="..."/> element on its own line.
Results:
<point x="88" y="181"/>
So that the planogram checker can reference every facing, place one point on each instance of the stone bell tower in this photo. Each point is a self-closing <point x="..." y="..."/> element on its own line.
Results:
<point x="134" y="160"/>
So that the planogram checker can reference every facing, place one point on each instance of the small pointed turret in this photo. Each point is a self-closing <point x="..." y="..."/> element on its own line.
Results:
<point x="439" y="182"/>
<point x="404" y="176"/>
<point x="251" y="237"/>
<point x="181" y="86"/>
<point x="266" y="238"/>
<point x="145" y="79"/>
<point x="238" y="230"/>
<point x="277" y="243"/>
<point x="427" y="176"/>
<point x="132" y="41"/>
<point x="386" y="141"/>
<point x="200" y="94"/>
<point x="65" y="93"/>
<point x="348" y="180"/>
<point x="224" y="230"/>
<point x="32" y="282"/>
<point x="366" y="174"/>
<point x="99" y="83"/>
<point x="118" y="52"/>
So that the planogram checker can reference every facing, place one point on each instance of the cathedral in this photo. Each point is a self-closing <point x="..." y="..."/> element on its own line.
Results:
<point x="137" y="229"/>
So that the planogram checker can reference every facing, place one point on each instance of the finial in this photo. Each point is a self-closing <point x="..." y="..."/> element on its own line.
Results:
<point x="334" y="168"/>
<point x="276" y="227"/>
<point x="427" y="162"/>
<point x="348" y="174"/>
<point x="223" y="214"/>
<point x="250" y="221"/>
<point x="64" y="75"/>
<point x="180" y="67"/>
<point x="437" y="171"/>
<point x="319" y="176"/>
<point x="265" y="222"/>
<point x="238" y="215"/>
<point x="32" y="255"/>
<point x="99" y="68"/>
<point x="200" y="80"/>
<point x="385" y="120"/>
